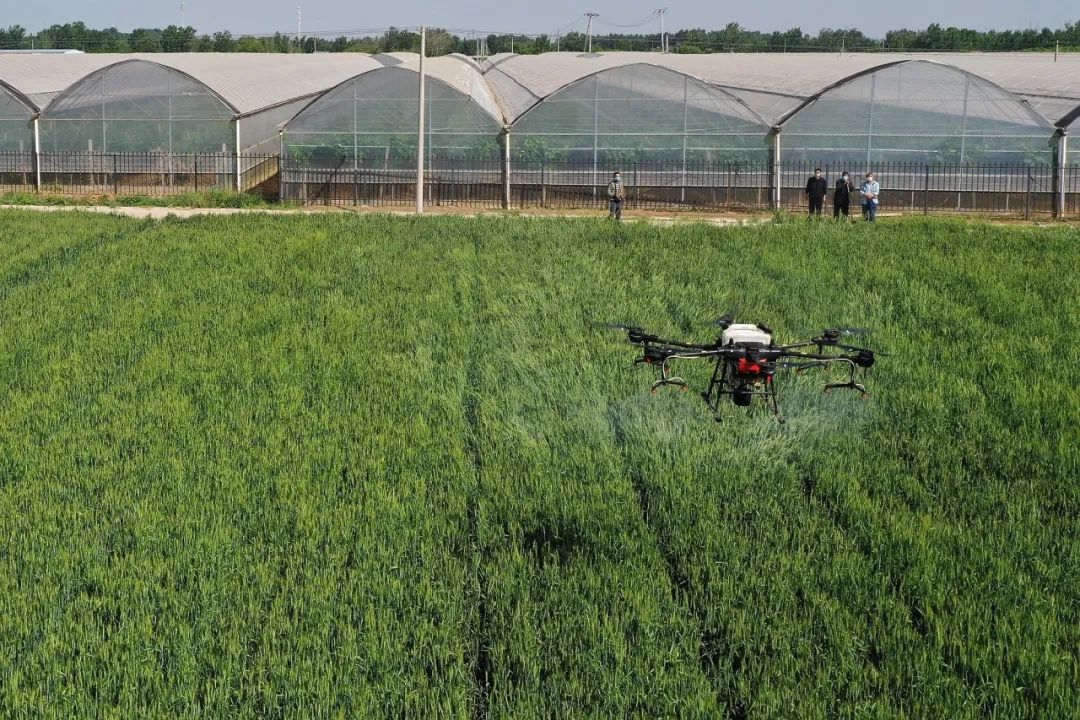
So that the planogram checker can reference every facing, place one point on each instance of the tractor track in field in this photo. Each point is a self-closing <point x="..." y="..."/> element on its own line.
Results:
<point x="735" y="707"/>
<point x="481" y="661"/>
<point x="61" y="258"/>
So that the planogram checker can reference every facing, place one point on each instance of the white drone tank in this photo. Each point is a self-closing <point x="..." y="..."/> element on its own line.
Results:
<point x="746" y="335"/>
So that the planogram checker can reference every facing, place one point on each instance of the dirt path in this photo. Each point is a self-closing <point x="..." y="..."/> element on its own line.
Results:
<point x="160" y="213"/>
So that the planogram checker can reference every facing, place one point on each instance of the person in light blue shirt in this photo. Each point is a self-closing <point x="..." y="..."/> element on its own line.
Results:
<point x="869" y="190"/>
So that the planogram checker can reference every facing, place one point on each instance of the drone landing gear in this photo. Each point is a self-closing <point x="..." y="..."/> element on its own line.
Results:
<point x="666" y="378"/>
<point x="849" y="385"/>
<point x="863" y="393"/>
<point x="677" y="382"/>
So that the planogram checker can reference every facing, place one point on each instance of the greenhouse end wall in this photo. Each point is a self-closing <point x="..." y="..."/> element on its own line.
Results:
<point x="138" y="107"/>
<point x="917" y="112"/>
<point x="372" y="121"/>
<point x="639" y="113"/>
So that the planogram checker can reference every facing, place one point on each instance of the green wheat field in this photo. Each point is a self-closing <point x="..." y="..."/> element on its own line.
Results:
<point x="363" y="466"/>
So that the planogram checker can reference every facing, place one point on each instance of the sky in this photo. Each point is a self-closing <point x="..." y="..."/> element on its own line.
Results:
<point x="267" y="16"/>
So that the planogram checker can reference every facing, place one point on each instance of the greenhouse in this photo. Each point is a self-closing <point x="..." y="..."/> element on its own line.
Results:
<point x="177" y="120"/>
<point x="138" y="106"/>
<point x="364" y="133"/>
<point x="640" y="112"/>
<point x="959" y="131"/>
<point x="916" y="112"/>
<point x="373" y="117"/>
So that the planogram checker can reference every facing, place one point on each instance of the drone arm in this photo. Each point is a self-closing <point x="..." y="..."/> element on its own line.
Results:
<point x="862" y="357"/>
<point x="796" y="346"/>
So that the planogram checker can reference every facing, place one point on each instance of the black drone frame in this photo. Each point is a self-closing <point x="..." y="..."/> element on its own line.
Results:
<point x="743" y="372"/>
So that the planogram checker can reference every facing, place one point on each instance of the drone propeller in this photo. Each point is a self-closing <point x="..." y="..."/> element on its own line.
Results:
<point x="853" y="348"/>
<point x="727" y="318"/>
<point x="834" y="333"/>
<point x="617" y="326"/>
<point x="857" y="332"/>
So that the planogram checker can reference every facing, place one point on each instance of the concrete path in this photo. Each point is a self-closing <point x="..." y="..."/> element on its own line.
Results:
<point x="160" y="213"/>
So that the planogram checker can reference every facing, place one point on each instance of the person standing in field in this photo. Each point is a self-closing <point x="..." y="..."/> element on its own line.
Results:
<point x="816" y="187"/>
<point x="841" y="199"/>
<point x="615" y="196"/>
<point x="869" y="191"/>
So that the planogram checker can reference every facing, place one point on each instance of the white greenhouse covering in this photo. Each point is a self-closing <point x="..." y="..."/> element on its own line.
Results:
<point x="373" y="117"/>
<point x="1007" y="88"/>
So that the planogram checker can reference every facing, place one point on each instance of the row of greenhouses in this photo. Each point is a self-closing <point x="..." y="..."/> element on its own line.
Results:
<point x="353" y="111"/>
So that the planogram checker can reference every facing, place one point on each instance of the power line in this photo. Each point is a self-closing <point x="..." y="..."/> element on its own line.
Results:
<point x="639" y="23"/>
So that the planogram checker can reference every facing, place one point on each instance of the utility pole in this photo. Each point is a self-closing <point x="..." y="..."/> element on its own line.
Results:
<point x="558" y="42"/>
<point x="420" y="128"/>
<point x="663" y="35"/>
<point x="298" y="27"/>
<point x="588" y="28"/>
<point x="181" y="14"/>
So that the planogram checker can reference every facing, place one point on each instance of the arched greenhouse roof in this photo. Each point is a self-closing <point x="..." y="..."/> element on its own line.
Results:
<point x="41" y="77"/>
<point x="772" y="84"/>
<point x="455" y="71"/>
<point x="995" y="100"/>
<point x="13" y="103"/>
<point x="776" y="83"/>
<point x="247" y="82"/>
<point x="660" y="80"/>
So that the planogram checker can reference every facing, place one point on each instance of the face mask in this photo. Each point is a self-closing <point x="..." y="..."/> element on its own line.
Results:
<point x="618" y="177"/>
<point x="845" y="177"/>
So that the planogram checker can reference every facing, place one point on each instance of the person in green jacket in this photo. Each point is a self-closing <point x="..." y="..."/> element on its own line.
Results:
<point x="615" y="196"/>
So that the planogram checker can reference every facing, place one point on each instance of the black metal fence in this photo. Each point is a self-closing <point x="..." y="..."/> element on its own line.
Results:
<point x="148" y="174"/>
<point x="17" y="172"/>
<point x="471" y="183"/>
<point x="1016" y="190"/>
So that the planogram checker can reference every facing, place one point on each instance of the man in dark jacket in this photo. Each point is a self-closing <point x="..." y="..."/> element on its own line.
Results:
<point x="841" y="199"/>
<point x="816" y="187"/>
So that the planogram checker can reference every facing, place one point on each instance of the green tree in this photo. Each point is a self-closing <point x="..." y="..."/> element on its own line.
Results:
<point x="223" y="42"/>
<point x="145" y="40"/>
<point x="177" y="39"/>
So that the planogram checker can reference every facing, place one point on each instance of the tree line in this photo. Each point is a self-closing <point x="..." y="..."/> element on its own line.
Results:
<point x="732" y="38"/>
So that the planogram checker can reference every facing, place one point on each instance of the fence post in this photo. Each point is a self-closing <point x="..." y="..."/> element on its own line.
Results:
<point x="543" y="183"/>
<point x="1060" y="158"/>
<point x="115" y="181"/>
<point x="774" y="163"/>
<point x="195" y="160"/>
<point x="637" y="186"/>
<point x="506" y="168"/>
<point x="926" y="191"/>
<point x="1027" y="196"/>
<point x="731" y="199"/>
<point x="37" y="156"/>
<point x="450" y="197"/>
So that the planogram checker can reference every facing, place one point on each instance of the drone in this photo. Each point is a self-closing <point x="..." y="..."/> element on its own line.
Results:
<point x="745" y="361"/>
